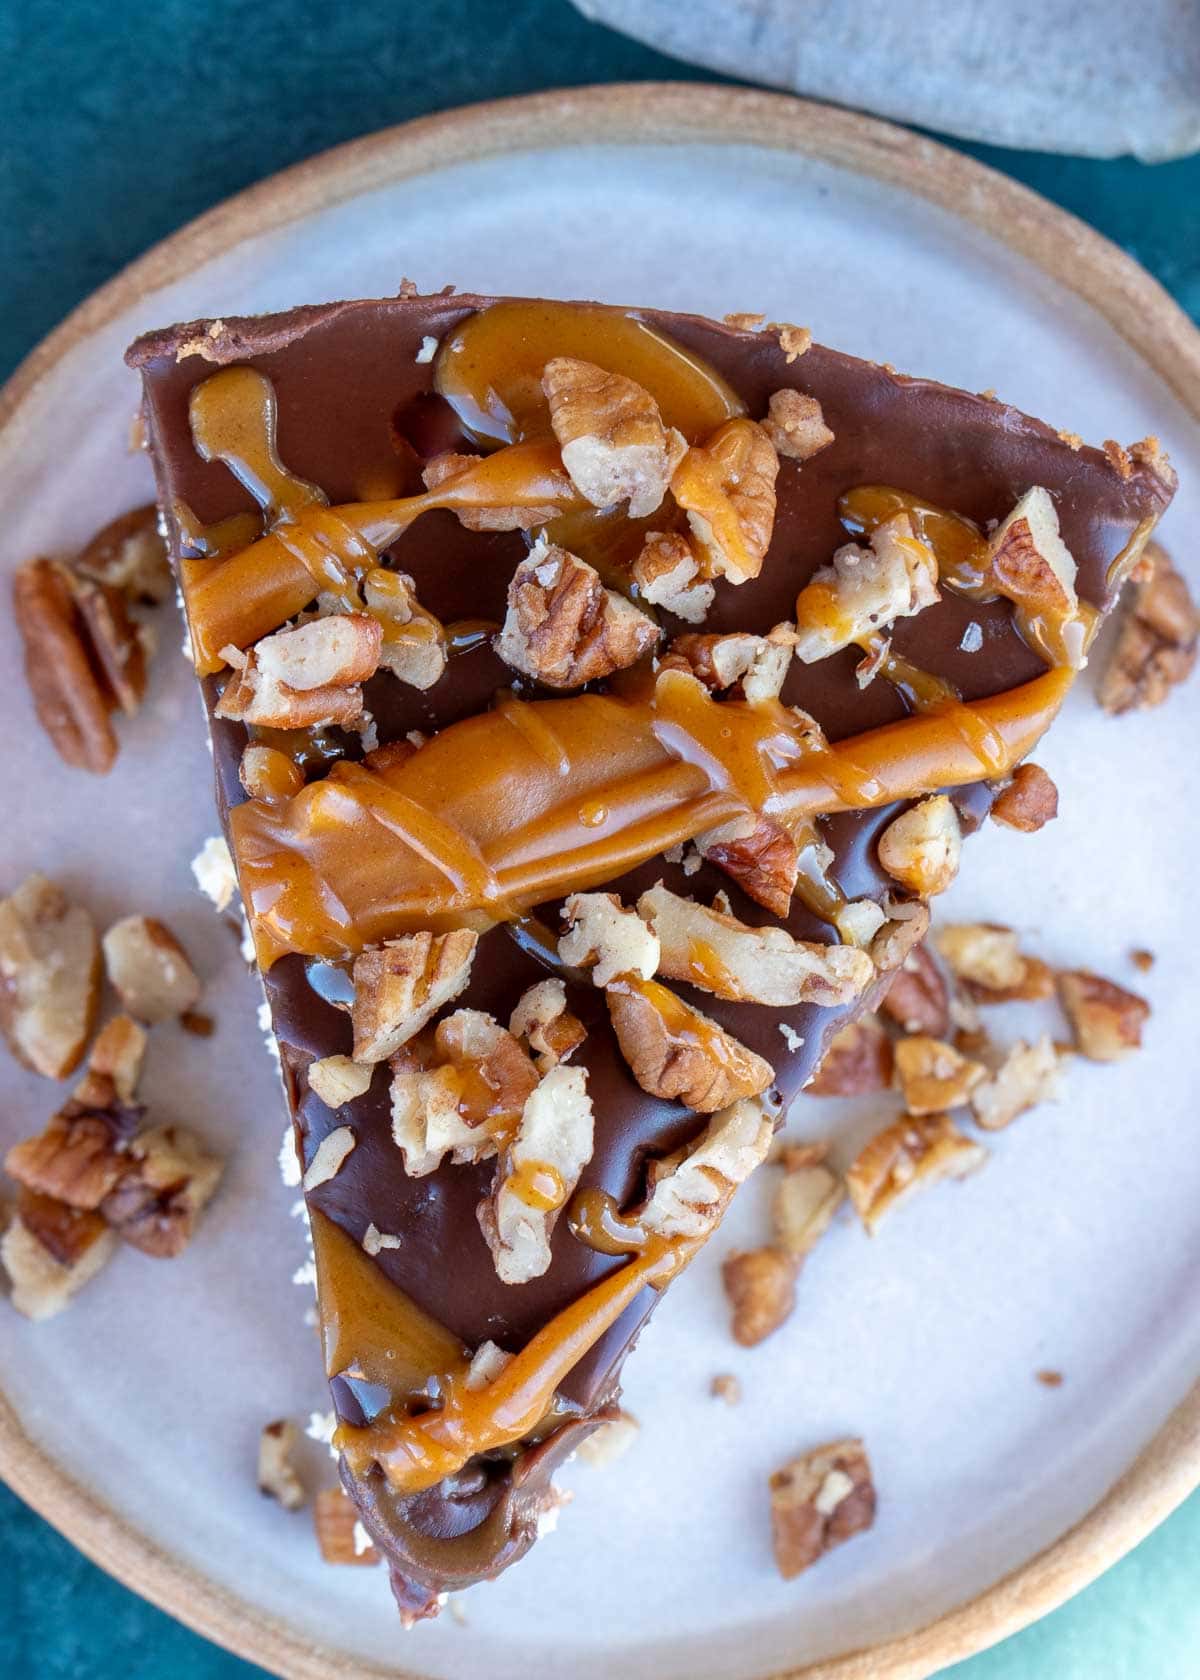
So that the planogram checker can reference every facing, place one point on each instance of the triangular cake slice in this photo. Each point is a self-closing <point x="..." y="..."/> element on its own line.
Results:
<point x="596" y="695"/>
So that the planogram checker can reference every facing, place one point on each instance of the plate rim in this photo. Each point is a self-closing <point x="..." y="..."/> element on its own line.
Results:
<point x="1167" y="1470"/>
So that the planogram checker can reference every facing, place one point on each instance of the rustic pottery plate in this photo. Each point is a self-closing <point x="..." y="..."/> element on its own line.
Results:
<point x="132" y="1421"/>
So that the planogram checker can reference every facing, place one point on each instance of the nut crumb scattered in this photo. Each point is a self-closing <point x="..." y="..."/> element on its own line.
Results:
<point x="1142" y="960"/>
<point x="427" y="351"/>
<point x="793" y="341"/>
<point x="1049" y="1379"/>
<point x="726" y="1387"/>
<point x="277" y="1476"/>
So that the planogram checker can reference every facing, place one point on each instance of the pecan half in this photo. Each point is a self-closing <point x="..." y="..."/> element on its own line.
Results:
<point x="614" y="444"/>
<point x="71" y="701"/>
<point x="49" y="977"/>
<point x="674" y="1051"/>
<point x="818" y="1501"/>
<point x="564" y="627"/>
<point x="129" y="555"/>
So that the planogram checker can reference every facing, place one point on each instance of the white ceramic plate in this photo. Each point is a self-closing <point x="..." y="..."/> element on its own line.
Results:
<point x="1077" y="1247"/>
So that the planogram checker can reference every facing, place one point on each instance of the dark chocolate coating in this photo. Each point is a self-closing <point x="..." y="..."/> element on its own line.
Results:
<point x="354" y="409"/>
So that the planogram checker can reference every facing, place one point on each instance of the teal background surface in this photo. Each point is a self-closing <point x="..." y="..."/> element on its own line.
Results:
<point x="122" y="120"/>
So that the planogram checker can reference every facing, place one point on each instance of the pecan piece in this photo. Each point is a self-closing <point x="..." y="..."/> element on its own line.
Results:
<point x="857" y="1062"/>
<point x="1106" y="1020"/>
<point x="806" y="1199"/>
<point x="129" y="555"/>
<point x="610" y="1442"/>
<point x="921" y="848"/>
<point x="674" y="1051"/>
<point x="50" y="1251"/>
<point x="691" y="1190"/>
<point x="1155" y="648"/>
<point x="762" y="858"/>
<point x="49" y="977"/>
<point x="761" y="1286"/>
<point x="277" y="1477"/>
<point x="727" y="490"/>
<point x="909" y="1155"/>
<point x="987" y="958"/>
<point x="337" y="1080"/>
<point x="329" y="1157"/>
<point x="1028" y="1075"/>
<point x="543" y="1020"/>
<point x="605" y="937"/>
<point x="864" y="590"/>
<point x="414" y="641"/>
<point x="71" y="702"/>
<point x="1029" y="563"/>
<point x="934" y="1076"/>
<point x="401" y="986"/>
<point x="149" y="969"/>
<point x="1029" y="801"/>
<point x="564" y="627"/>
<point x="614" y="444"/>
<point x="917" y="999"/>
<point x="796" y="425"/>
<point x="818" y="1501"/>
<point x="757" y="664"/>
<point x="171" y="1179"/>
<point x="458" y="1091"/>
<point x="341" y="1537"/>
<point x="537" y="1173"/>
<point x="667" y="574"/>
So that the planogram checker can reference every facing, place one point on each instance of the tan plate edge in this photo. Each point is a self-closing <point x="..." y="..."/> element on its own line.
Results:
<point x="1133" y="303"/>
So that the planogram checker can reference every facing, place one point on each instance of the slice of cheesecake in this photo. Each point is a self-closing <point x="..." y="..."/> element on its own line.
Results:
<point x="597" y="696"/>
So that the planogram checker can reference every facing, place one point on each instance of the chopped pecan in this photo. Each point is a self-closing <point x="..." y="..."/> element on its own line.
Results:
<point x="1028" y="1075"/>
<point x="917" y="999"/>
<point x="329" y="1157"/>
<point x="118" y="645"/>
<point x="907" y="925"/>
<point x="543" y="1020"/>
<point x="858" y="920"/>
<point x="675" y="1052"/>
<point x="793" y="341"/>
<point x="487" y="1363"/>
<point x="614" y="444"/>
<point x="1106" y="1020"/>
<point x="149" y="969"/>
<point x="337" y="1080"/>
<point x="933" y="1076"/>
<point x="691" y="1191"/>
<point x="500" y="517"/>
<point x="1155" y="648"/>
<point x="171" y="1179"/>
<point x="1029" y="563"/>
<point x="819" y="1500"/>
<point x="49" y="977"/>
<point x="760" y="856"/>
<point x="266" y="773"/>
<point x="71" y="702"/>
<point x="727" y="490"/>
<point x="401" y="986"/>
<point x="50" y="1251"/>
<point x="341" y="1537"/>
<point x="610" y="1442"/>
<point x="758" y="663"/>
<point x="605" y="937"/>
<point x="921" y="847"/>
<point x="806" y="1199"/>
<point x="865" y="589"/>
<point x="796" y="425"/>
<point x="1029" y="801"/>
<point x="857" y="1062"/>
<point x="725" y="956"/>
<point x="761" y="1286"/>
<point x="277" y="1477"/>
<point x="82" y="1154"/>
<point x="117" y="1056"/>
<point x="988" y="959"/>
<point x="297" y="679"/>
<point x="667" y="574"/>
<point x="457" y="1091"/>
<point x="215" y="875"/>
<point x="537" y="1173"/>
<point x="129" y="555"/>
<point x="564" y="627"/>
<point x="414" y="641"/>
<point x="909" y="1155"/>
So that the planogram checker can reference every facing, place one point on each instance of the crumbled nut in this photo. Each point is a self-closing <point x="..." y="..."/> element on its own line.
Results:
<point x="1119" y="458"/>
<point x="760" y="856"/>
<point x="725" y="956"/>
<point x="1105" y="1019"/>
<point x="401" y="986"/>
<point x="442" y="468"/>
<point x="858" y="921"/>
<point x="675" y="1052"/>
<point x="611" y="1441"/>
<point x="564" y="627"/>
<point x="761" y="1286"/>
<point x="487" y="1363"/>
<point x="984" y="954"/>
<point x="725" y="1386"/>
<point x="374" y="1241"/>
<point x="117" y="1054"/>
<point x="917" y="999"/>
<point x="614" y="444"/>
<point x="1155" y="649"/>
<point x="1143" y="961"/>
<point x="794" y="1157"/>
<point x="758" y="663"/>
<point x="796" y="425"/>
<point x="298" y="678"/>
<point x="933" y="1076"/>
<point x="277" y="1477"/>
<point x="267" y="773"/>
<point x="50" y="1251"/>
<point x="692" y="1190"/>
<point x="1072" y="440"/>
<point x="865" y="589"/>
<point x="1049" y="1379"/>
<point x="543" y="1020"/>
<point x="149" y="969"/>
<point x="1028" y="1075"/>
<point x="819" y="1500"/>
<point x="215" y="875"/>
<point x="456" y="1091"/>
<point x="921" y="848"/>
<point x="909" y="1155"/>
<point x="417" y="656"/>
<point x="744" y="320"/>
<point x="336" y="1522"/>
<point x="158" y="1202"/>
<point x="857" y="1062"/>
<point x="667" y="575"/>
<point x="79" y="1158"/>
<point x="793" y="341"/>
<point x="605" y="937"/>
<point x="329" y="1158"/>
<point x="49" y="977"/>
<point x="537" y="1174"/>
<point x="1029" y="563"/>
<point x="906" y="927"/>
<point x="71" y="702"/>
<point x="806" y="1199"/>
<point x="337" y="1080"/>
<point x="129" y="555"/>
<point x="1029" y="801"/>
<point x="727" y="490"/>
